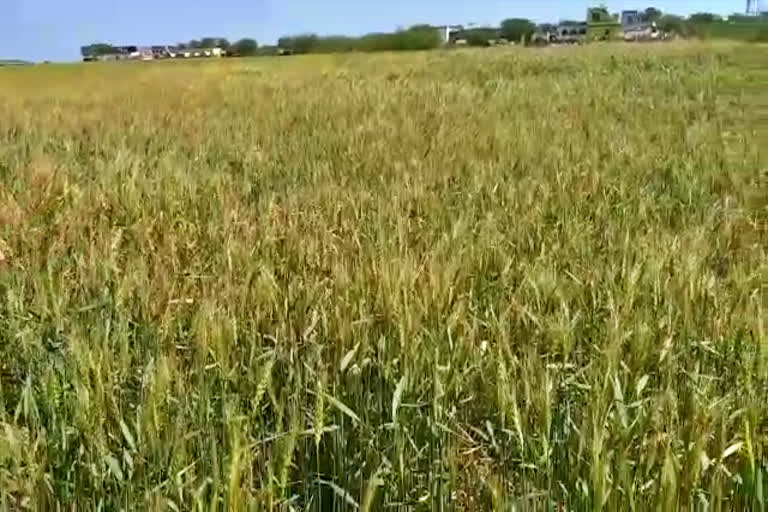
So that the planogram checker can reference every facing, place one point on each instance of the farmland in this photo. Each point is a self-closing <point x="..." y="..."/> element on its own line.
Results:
<point x="459" y="280"/>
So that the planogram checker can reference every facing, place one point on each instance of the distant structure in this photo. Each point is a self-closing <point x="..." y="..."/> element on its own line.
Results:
<point x="602" y="25"/>
<point x="571" y="33"/>
<point x="631" y="19"/>
<point x="753" y="8"/>
<point x="14" y="62"/>
<point x="448" y="32"/>
<point x="102" y="52"/>
<point x="637" y="29"/>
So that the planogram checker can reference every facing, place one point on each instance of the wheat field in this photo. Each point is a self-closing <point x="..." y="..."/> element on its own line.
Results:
<point x="512" y="279"/>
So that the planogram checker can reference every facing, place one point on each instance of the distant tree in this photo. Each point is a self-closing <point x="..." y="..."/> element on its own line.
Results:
<point x="303" y="43"/>
<point x="547" y="27"/>
<point x="421" y="37"/>
<point x="761" y="36"/>
<point x="742" y="18"/>
<point x="677" y="25"/>
<point x="415" y="38"/>
<point x="194" y="44"/>
<point x="244" y="47"/>
<point x="332" y="44"/>
<point x="478" y="37"/>
<point x="672" y="24"/>
<point x="516" y="29"/>
<point x="376" y="42"/>
<point x="475" y="39"/>
<point x="651" y="14"/>
<point x="214" y="42"/>
<point x="704" y="17"/>
<point x="99" y="49"/>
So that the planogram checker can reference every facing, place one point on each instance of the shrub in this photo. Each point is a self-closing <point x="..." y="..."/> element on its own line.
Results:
<point x="761" y="36"/>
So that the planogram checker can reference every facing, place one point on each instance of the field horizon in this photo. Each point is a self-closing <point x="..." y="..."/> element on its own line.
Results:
<point x="504" y="279"/>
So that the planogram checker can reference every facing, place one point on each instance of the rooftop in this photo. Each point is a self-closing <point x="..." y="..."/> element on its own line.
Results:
<point x="14" y="62"/>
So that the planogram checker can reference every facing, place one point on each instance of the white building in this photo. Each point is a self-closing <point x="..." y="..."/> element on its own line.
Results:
<point x="446" y="31"/>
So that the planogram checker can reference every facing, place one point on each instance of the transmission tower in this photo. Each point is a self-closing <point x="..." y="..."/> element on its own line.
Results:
<point x="753" y="7"/>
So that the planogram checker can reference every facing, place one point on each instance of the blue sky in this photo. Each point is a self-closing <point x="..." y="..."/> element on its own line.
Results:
<point x="55" y="29"/>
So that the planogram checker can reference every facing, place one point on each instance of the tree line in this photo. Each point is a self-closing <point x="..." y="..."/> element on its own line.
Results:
<point x="419" y="37"/>
<point x="426" y="37"/>
<point x="517" y="30"/>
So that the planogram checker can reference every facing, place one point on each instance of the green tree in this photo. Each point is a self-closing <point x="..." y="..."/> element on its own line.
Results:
<point x="194" y="44"/>
<point x="481" y="36"/>
<point x="677" y="25"/>
<point x="477" y="38"/>
<point x="418" y="38"/>
<point x="672" y="24"/>
<point x="304" y="43"/>
<point x="421" y="37"/>
<point x="742" y="18"/>
<point x="704" y="17"/>
<point x="244" y="47"/>
<point x="98" y="49"/>
<point x="214" y="42"/>
<point x="651" y="14"/>
<point x="761" y="36"/>
<point x="515" y="29"/>
<point x="332" y="44"/>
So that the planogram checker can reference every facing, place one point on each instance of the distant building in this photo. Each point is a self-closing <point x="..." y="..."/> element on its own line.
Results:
<point x="631" y="19"/>
<point x="634" y="28"/>
<point x="144" y="53"/>
<point x="126" y="52"/>
<point x="571" y="32"/>
<point x="14" y="62"/>
<point x="448" y="32"/>
<point x="101" y="52"/>
<point x="602" y="25"/>
<point x="161" y="52"/>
